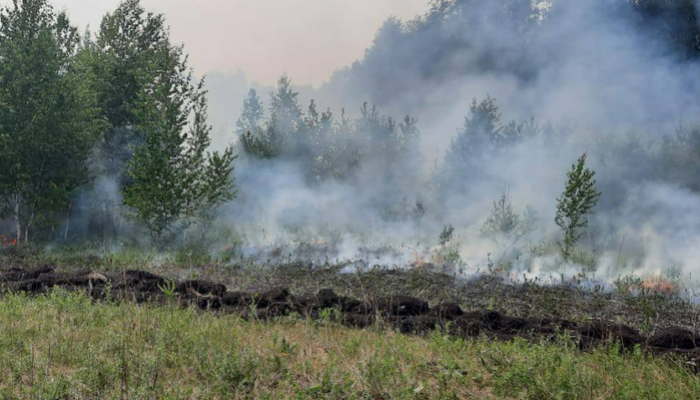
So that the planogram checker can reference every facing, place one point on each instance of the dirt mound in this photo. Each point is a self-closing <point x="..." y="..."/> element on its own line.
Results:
<point x="675" y="338"/>
<point x="596" y="331"/>
<point x="200" y="288"/>
<point x="404" y="313"/>
<point x="273" y="296"/>
<point x="326" y="298"/>
<point x="447" y="311"/>
<point x="400" y="306"/>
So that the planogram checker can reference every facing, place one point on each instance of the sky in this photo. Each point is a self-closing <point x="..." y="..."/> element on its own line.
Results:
<point x="307" y="39"/>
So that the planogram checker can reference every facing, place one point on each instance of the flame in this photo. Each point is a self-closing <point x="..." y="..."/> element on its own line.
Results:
<point x="418" y="261"/>
<point x="658" y="284"/>
<point x="5" y="241"/>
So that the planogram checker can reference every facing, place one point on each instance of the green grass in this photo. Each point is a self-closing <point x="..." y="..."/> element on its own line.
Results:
<point x="63" y="346"/>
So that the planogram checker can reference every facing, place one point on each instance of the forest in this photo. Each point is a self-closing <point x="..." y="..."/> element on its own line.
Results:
<point x="515" y="135"/>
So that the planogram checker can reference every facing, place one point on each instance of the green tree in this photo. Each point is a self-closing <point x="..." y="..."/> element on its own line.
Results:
<point x="47" y="115"/>
<point x="266" y="143"/>
<point x="251" y="114"/>
<point x="123" y="57"/>
<point x="481" y="129"/>
<point x="575" y="204"/>
<point x="503" y="220"/>
<point x="477" y="137"/>
<point x="172" y="177"/>
<point x="284" y="106"/>
<point x="281" y="134"/>
<point x="481" y="137"/>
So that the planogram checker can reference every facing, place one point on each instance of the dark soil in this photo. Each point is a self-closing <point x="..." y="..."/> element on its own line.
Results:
<point x="405" y="313"/>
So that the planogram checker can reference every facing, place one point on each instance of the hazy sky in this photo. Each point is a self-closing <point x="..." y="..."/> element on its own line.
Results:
<point x="308" y="39"/>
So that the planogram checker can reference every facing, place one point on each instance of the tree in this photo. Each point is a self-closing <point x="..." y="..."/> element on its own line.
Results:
<point x="481" y="128"/>
<point x="677" y="22"/>
<point x="314" y="139"/>
<point x="481" y="137"/>
<point x="266" y="143"/>
<point x="285" y="106"/>
<point x="251" y="115"/>
<point x="478" y="136"/>
<point x="503" y="220"/>
<point x="124" y="56"/>
<point x="47" y="116"/>
<point x="172" y="176"/>
<point x="577" y="201"/>
<point x="505" y="226"/>
<point x="341" y="158"/>
<point x="283" y="134"/>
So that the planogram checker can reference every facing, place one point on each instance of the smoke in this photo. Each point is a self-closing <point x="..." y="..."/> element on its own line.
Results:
<point x="568" y="77"/>
<point x="584" y="62"/>
<point x="593" y="81"/>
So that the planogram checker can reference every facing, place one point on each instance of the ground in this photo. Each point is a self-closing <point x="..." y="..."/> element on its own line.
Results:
<point x="305" y="331"/>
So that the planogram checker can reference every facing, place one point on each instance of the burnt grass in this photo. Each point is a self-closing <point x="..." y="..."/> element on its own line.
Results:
<point x="411" y="301"/>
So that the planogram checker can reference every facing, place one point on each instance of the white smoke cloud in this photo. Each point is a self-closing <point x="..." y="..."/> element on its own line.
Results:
<point x="597" y="77"/>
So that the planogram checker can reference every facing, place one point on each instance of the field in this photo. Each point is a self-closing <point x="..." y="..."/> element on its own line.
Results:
<point x="65" y="334"/>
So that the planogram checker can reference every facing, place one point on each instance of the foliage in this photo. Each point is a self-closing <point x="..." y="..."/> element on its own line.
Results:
<point x="262" y="145"/>
<point x="328" y="148"/>
<point x="172" y="176"/>
<point x="482" y="136"/>
<point x="285" y="106"/>
<point x="503" y="220"/>
<point x="577" y="201"/>
<point x="251" y="115"/>
<point x="446" y="234"/>
<point x="675" y="22"/>
<point x="122" y="58"/>
<point x="47" y="115"/>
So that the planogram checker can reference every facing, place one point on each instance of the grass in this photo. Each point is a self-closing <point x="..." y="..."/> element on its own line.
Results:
<point x="63" y="346"/>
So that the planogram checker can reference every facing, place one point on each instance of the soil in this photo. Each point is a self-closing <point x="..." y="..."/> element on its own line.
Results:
<point x="405" y="313"/>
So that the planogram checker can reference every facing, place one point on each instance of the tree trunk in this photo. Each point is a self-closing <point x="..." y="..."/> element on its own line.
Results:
<point x="18" y="225"/>
<point x="65" y="233"/>
<point x="26" y="229"/>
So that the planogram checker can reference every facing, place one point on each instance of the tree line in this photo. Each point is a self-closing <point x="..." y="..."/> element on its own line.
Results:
<point x="121" y="103"/>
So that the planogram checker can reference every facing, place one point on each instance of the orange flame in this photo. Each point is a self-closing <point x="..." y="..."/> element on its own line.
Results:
<point x="418" y="261"/>
<point x="5" y="241"/>
<point x="658" y="284"/>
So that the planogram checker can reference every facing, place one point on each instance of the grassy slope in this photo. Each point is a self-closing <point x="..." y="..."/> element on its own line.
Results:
<point x="63" y="347"/>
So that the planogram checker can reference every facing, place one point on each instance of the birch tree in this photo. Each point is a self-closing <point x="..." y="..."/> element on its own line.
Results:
<point x="47" y="118"/>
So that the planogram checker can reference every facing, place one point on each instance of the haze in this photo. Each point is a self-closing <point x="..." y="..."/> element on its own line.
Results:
<point x="308" y="39"/>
